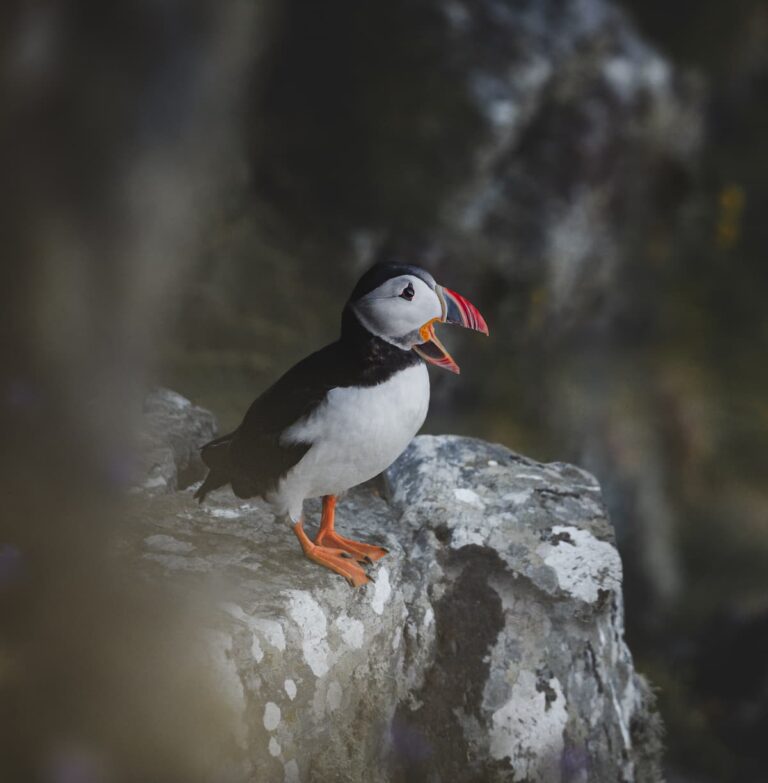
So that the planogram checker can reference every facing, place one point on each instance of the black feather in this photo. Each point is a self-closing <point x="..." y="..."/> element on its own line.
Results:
<point x="381" y="272"/>
<point x="253" y="458"/>
<point x="215" y="455"/>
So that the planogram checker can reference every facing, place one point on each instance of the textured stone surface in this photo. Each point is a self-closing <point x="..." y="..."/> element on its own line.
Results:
<point x="525" y="586"/>
<point x="173" y="431"/>
<point x="592" y="134"/>
<point x="490" y="647"/>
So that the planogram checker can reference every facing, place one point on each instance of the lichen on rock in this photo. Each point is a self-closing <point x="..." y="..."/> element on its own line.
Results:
<point x="490" y="647"/>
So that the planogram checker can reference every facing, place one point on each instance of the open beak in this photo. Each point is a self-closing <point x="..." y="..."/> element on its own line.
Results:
<point x="456" y="310"/>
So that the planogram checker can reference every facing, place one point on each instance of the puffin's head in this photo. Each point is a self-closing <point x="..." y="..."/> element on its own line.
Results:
<point x="401" y="304"/>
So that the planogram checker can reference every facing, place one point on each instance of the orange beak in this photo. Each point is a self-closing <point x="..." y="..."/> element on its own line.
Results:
<point x="456" y="310"/>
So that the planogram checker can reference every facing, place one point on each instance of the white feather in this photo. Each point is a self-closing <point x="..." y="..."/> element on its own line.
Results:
<point x="356" y="433"/>
<point x="389" y="316"/>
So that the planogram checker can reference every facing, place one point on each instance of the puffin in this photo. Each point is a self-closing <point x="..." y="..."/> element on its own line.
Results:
<point x="345" y="413"/>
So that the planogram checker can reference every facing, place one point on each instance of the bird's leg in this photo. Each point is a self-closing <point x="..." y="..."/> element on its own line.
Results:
<point x="337" y="560"/>
<point x="327" y="535"/>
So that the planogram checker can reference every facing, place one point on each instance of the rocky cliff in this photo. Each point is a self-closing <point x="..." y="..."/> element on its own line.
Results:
<point x="489" y="648"/>
<point x="534" y="155"/>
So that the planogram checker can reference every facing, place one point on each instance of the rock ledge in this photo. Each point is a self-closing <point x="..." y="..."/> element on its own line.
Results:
<point x="490" y="647"/>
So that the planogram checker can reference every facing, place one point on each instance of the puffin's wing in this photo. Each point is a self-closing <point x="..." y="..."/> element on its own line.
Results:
<point x="258" y="458"/>
<point x="215" y="455"/>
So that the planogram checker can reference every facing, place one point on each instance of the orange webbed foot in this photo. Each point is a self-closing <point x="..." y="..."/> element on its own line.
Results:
<point x="336" y="559"/>
<point x="327" y="536"/>
<point x="367" y="552"/>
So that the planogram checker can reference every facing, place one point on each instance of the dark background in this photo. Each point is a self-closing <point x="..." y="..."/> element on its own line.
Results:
<point x="189" y="192"/>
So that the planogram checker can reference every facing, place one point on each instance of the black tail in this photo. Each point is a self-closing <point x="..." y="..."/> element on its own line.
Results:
<point x="216" y="457"/>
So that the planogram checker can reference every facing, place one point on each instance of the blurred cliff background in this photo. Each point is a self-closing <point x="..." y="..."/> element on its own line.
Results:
<point x="189" y="191"/>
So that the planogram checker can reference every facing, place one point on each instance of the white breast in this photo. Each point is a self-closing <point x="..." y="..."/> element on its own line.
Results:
<point x="356" y="433"/>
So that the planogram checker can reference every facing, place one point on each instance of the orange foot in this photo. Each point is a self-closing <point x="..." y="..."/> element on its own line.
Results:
<point x="337" y="560"/>
<point x="367" y="553"/>
<point x="327" y="536"/>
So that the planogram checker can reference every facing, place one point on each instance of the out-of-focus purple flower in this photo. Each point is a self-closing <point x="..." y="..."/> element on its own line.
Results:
<point x="409" y="743"/>
<point x="75" y="764"/>
<point x="121" y="471"/>
<point x="21" y="394"/>
<point x="575" y="763"/>
<point x="11" y="564"/>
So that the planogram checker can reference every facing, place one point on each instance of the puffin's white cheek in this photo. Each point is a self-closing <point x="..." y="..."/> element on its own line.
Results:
<point x="389" y="315"/>
<point x="379" y="315"/>
<point x="433" y="309"/>
<point x="399" y="319"/>
<point x="407" y="317"/>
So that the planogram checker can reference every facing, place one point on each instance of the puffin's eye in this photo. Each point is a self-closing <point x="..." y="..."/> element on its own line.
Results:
<point x="408" y="292"/>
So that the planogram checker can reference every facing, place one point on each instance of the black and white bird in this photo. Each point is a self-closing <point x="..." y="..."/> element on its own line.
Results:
<point x="345" y="413"/>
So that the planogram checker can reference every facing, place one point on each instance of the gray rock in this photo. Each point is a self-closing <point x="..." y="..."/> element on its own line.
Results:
<point x="588" y="126"/>
<point x="173" y="431"/>
<point x="489" y="648"/>
<point x="525" y="584"/>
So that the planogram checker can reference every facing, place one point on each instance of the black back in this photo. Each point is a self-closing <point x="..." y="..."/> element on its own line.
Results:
<point x="252" y="458"/>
